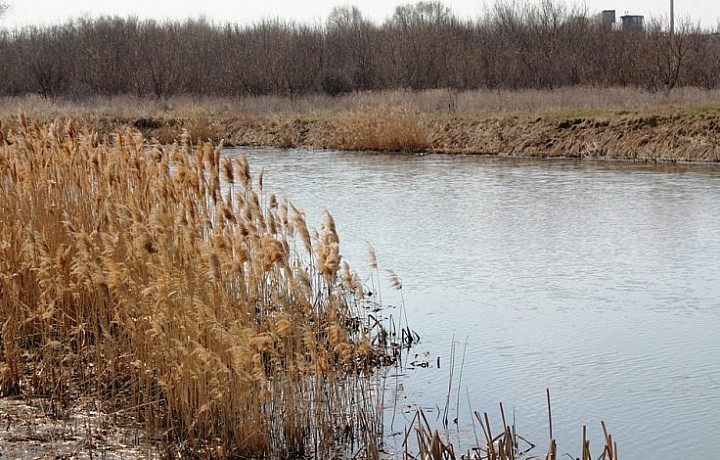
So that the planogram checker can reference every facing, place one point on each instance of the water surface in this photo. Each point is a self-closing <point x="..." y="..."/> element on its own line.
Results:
<point x="598" y="280"/>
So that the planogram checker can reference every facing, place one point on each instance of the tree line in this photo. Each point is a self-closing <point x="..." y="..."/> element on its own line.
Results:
<point x="513" y="45"/>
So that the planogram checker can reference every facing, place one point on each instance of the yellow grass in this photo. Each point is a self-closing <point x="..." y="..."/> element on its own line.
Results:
<point x="398" y="129"/>
<point x="430" y="102"/>
<point x="168" y="284"/>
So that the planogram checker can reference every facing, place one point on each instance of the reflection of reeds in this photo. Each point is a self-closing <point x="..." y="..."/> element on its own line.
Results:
<point x="210" y="312"/>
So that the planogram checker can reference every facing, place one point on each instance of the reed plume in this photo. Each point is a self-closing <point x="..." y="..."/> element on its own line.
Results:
<point x="150" y="277"/>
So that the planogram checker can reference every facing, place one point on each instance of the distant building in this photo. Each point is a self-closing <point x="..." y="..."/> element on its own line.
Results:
<point x="607" y="18"/>
<point x="632" y="22"/>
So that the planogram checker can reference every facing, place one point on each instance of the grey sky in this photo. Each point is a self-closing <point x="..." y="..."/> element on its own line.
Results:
<point x="24" y="12"/>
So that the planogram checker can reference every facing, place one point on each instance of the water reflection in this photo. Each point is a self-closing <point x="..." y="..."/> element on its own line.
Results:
<point x="597" y="279"/>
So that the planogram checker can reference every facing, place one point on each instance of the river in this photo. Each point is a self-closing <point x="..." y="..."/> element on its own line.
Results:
<point x="597" y="280"/>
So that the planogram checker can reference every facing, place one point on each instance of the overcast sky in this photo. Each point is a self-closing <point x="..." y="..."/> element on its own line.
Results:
<point x="25" y="12"/>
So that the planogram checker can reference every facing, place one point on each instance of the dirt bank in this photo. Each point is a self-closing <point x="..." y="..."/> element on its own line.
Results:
<point x="661" y="137"/>
<point x="689" y="133"/>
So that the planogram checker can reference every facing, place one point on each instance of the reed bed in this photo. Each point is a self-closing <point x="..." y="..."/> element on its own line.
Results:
<point x="383" y="128"/>
<point x="165" y="283"/>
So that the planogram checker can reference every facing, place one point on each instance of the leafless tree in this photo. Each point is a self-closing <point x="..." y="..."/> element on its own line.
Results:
<point x="4" y="8"/>
<point x="420" y="33"/>
<point x="666" y="53"/>
<point x="351" y="46"/>
<point x="52" y="64"/>
<point x="515" y="44"/>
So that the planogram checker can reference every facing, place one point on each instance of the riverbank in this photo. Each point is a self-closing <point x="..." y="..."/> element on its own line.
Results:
<point x="575" y="123"/>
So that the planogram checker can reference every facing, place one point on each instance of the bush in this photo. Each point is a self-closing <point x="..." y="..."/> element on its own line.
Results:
<point x="335" y="83"/>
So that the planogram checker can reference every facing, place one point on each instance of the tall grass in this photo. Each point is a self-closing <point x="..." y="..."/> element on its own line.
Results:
<point x="167" y="283"/>
<point x="428" y="102"/>
<point x="382" y="128"/>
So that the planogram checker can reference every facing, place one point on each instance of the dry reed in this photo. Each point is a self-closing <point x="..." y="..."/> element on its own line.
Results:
<point x="388" y="129"/>
<point x="507" y="445"/>
<point x="163" y="282"/>
<point x="430" y="102"/>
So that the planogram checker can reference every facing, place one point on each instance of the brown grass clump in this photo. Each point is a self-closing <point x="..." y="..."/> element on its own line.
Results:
<point x="167" y="284"/>
<point x="387" y="129"/>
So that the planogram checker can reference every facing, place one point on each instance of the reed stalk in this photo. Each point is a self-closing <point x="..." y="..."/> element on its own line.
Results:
<point x="159" y="281"/>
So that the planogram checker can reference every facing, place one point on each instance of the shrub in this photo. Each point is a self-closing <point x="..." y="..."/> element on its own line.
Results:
<point x="335" y="83"/>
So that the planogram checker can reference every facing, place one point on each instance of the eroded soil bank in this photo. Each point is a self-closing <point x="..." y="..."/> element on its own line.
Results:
<point x="650" y="137"/>
<point x="689" y="133"/>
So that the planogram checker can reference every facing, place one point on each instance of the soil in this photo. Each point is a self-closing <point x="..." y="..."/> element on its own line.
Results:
<point x="664" y="134"/>
<point x="643" y="137"/>
<point x="32" y="429"/>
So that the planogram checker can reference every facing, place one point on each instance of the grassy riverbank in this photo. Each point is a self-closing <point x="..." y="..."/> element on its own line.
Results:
<point x="683" y="125"/>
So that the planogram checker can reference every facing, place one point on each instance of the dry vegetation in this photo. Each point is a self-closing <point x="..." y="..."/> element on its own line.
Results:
<point x="505" y="445"/>
<point x="679" y="125"/>
<point x="524" y="78"/>
<point x="512" y="45"/>
<point x="168" y="286"/>
<point x="156" y="300"/>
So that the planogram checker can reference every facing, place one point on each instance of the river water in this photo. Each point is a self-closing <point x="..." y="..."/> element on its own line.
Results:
<point x="597" y="280"/>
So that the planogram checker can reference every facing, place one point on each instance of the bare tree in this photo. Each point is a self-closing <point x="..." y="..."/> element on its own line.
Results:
<point x="52" y="63"/>
<point x="350" y="45"/>
<point x="667" y="53"/>
<point x="703" y="60"/>
<point x="516" y="44"/>
<point x="420" y="33"/>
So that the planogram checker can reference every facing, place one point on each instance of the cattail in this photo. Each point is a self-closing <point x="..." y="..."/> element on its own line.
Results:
<point x="227" y="213"/>
<point x="395" y="280"/>
<point x="146" y="243"/>
<point x="244" y="170"/>
<point x="260" y="179"/>
<point x="372" y="257"/>
<point x="283" y="213"/>
<point x="215" y="267"/>
<point x="228" y="173"/>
